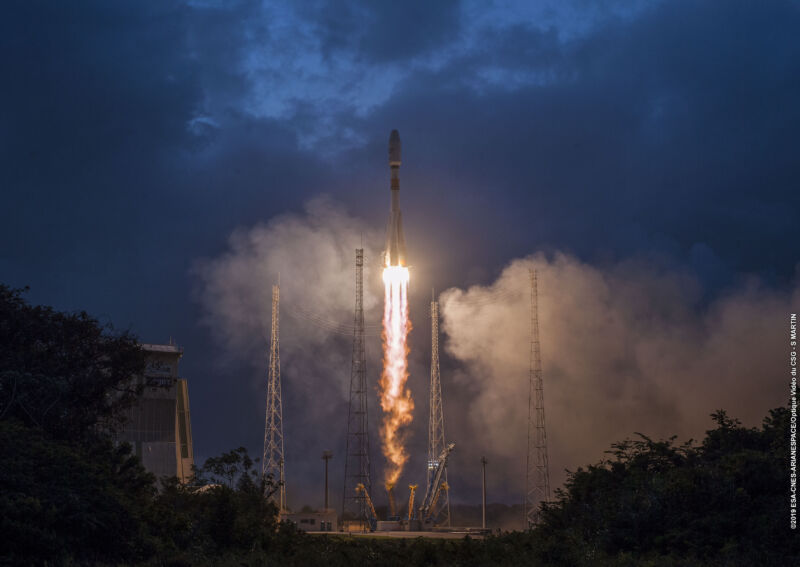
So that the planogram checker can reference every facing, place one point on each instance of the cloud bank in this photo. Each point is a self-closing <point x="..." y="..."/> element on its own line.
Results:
<point x="313" y="254"/>
<point x="627" y="347"/>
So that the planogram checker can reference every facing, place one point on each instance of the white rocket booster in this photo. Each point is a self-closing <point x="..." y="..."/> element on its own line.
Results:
<point x="395" y="252"/>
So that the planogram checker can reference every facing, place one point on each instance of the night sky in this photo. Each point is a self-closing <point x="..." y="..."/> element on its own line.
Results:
<point x="162" y="162"/>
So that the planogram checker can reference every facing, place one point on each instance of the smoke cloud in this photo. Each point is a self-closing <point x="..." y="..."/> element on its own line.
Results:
<point x="313" y="254"/>
<point x="625" y="348"/>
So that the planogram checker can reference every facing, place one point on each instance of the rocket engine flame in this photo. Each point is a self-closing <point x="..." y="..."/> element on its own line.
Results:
<point x="396" y="401"/>
<point x="395" y="398"/>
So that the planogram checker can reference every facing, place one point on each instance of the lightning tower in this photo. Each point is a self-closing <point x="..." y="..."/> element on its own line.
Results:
<point x="272" y="459"/>
<point x="357" y="465"/>
<point x="436" y="442"/>
<point x="537" y="478"/>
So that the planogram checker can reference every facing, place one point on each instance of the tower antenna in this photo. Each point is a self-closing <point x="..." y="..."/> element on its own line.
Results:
<point x="436" y="440"/>
<point x="537" y="477"/>
<point x="272" y="459"/>
<point x="357" y="463"/>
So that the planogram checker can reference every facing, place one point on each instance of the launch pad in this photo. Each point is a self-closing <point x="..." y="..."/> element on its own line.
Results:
<point x="431" y="517"/>
<point x="454" y="533"/>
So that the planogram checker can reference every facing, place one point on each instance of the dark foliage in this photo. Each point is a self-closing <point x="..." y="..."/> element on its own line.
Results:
<point x="721" y="502"/>
<point x="62" y="501"/>
<point x="225" y="510"/>
<point x="63" y="372"/>
<point x="68" y="492"/>
<point x="69" y="495"/>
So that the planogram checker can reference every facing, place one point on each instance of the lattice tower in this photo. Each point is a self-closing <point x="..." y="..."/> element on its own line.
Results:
<point x="436" y="442"/>
<point x="272" y="460"/>
<point x="357" y="462"/>
<point x="537" y="478"/>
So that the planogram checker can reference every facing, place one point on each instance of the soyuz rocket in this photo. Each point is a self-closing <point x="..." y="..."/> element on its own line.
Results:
<point x="395" y="252"/>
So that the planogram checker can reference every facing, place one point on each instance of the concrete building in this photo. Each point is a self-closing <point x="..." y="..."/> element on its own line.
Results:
<point x="159" y="426"/>
<point x="324" y="521"/>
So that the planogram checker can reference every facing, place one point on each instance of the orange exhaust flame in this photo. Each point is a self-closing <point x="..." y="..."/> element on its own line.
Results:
<point x="396" y="401"/>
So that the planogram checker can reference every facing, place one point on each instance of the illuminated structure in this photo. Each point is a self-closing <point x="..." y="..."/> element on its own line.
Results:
<point x="272" y="459"/>
<point x="357" y="459"/>
<point x="537" y="477"/>
<point x="395" y="252"/>
<point x="436" y="442"/>
<point x="159" y="424"/>
<point x="436" y="486"/>
<point x="322" y="521"/>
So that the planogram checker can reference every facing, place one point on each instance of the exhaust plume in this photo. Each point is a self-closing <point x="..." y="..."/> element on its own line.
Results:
<point x="396" y="401"/>
<point x="629" y="347"/>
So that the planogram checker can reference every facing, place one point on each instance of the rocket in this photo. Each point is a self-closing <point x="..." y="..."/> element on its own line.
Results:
<point x="395" y="252"/>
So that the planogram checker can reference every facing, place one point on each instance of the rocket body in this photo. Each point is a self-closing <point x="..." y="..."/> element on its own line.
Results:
<point x="395" y="252"/>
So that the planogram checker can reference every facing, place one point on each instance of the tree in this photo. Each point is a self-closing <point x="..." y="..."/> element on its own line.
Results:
<point x="227" y="509"/>
<point x="723" y="500"/>
<point x="64" y="372"/>
<point x="62" y="501"/>
<point x="68" y="492"/>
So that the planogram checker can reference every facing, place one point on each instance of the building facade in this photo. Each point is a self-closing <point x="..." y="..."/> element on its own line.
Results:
<point x="322" y="521"/>
<point x="159" y="425"/>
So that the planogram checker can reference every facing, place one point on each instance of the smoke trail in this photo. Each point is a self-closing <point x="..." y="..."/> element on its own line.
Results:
<point x="396" y="401"/>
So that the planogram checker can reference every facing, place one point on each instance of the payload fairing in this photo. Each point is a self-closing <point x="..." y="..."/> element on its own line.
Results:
<point x="395" y="252"/>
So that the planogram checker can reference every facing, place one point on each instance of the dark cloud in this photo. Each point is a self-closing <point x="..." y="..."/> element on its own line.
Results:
<point x="400" y="31"/>
<point x="386" y="31"/>
<point x="655" y="133"/>
<point x="97" y="98"/>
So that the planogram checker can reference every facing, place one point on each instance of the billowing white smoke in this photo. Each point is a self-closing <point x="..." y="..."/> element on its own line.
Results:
<point x="314" y="254"/>
<point x="627" y="348"/>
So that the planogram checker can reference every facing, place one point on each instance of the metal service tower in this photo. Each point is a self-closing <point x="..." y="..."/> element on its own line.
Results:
<point x="436" y="439"/>
<point x="272" y="459"/>
<point x="537" y="478"/>
<point x="357" y="464"/>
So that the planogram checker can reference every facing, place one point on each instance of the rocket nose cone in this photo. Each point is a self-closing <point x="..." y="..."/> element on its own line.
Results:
<point x="394" y="148"/>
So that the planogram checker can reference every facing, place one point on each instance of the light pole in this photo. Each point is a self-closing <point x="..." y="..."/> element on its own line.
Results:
<point x="326" y="456"/>
<point x="483" y="462"/>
